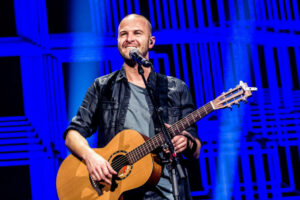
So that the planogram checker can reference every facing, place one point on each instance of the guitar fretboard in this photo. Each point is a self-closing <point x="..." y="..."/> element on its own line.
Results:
<point x="158" y="140"/>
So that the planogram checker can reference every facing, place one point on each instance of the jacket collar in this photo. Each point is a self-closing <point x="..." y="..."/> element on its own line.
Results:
<point x="121" y="75"/>
<point x="151" y="78"/>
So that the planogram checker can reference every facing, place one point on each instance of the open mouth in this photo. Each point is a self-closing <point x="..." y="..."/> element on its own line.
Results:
<point x="131" y="47"/>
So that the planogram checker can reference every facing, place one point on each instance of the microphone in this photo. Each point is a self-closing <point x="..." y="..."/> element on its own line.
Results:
<point x="136" y="55"/>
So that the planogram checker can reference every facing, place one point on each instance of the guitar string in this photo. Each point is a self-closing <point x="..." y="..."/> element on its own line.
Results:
<point x="196" y="111"/>
<point x="120" y="162"/>
<point x="123" y="160"/>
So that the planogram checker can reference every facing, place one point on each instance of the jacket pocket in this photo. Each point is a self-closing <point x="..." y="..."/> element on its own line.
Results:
<point x="108" y="114"/>
<point x="174" y="114"/>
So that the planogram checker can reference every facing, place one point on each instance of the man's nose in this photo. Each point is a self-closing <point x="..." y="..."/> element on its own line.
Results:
<point x="130" y="37"/>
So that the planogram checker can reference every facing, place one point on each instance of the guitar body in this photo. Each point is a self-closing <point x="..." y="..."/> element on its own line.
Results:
<point x="73" y="182"/>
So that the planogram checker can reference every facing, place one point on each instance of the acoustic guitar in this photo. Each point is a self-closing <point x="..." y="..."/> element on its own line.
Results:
<point x="131" y="155"/>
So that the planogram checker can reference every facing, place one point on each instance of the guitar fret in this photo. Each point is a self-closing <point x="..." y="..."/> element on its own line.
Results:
<point x="150" y="145"/>
<point x="139" y="153"/>
<point x="143" y="149"/>
<point x="170" y="132"/>
<point x="182" y="127"/>
<point x="199" y="113"/>
<point x="175" y="129"/>
<point x="178" y="130"/>
<point x="135" y="155"/>
<point x="188" y="122"/>
<point x="183" y="123"/>
<point x="132" y="155"/>
<point x="205" y="109"/>
<point x="146" y="147"/>
<point x="193" y="117"/>
<point x="128" y="158"/>
<point x="161" y="138"/>
<point x="155" y="141"/>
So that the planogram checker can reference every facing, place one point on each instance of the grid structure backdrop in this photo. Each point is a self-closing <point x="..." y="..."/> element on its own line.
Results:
<point x="52" y="50"/>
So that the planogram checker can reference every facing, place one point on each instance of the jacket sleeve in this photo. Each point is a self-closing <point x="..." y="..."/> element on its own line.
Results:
<point x="85" y="121"/>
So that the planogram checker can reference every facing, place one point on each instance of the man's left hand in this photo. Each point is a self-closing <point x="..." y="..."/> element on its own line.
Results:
<point x="180" y="142"/>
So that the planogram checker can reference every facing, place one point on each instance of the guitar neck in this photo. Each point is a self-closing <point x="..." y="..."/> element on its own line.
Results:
<point x="159" y="139"/>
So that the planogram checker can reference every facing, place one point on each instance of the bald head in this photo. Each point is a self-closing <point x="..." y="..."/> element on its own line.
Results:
<point x="135" y="31"/>
<point x="131" y="16"/>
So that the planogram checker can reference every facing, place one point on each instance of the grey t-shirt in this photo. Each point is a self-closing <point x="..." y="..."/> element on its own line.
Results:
<point x="138" y="115"/>
<point x="139" y="118"/>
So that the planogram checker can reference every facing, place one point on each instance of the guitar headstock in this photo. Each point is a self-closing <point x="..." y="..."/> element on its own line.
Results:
<point x="233" y="96"/>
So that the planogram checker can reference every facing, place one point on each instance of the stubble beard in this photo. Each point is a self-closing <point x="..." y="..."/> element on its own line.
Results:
<point x="127" y="59"/>
<point x="131" y="63"/>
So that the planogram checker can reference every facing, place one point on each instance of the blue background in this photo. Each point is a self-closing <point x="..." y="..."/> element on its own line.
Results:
<point x="51" y="51"/>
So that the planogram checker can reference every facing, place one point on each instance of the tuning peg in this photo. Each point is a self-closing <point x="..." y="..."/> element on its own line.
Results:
<point x="252" y="88"/>
<point x="245" y="100"/>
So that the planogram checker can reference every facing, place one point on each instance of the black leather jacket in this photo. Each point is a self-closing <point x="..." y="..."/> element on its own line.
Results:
<point x="106" y="101"/>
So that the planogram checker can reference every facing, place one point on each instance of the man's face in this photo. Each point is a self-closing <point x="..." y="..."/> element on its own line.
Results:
<point x="134" y="33"/>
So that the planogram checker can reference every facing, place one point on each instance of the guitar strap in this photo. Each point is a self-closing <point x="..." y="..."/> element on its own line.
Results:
<point x="161" y="95"/>
<point x="162" y="89"/>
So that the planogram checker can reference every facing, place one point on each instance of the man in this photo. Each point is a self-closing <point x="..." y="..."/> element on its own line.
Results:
<point x="119" y="101"/>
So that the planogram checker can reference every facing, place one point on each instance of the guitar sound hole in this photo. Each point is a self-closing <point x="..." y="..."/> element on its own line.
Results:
<point x="118" y="162"/>
<point x="121" y="166"/>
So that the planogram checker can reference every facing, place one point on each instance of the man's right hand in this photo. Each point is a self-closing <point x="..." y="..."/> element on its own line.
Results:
<point x="99" y="168"/>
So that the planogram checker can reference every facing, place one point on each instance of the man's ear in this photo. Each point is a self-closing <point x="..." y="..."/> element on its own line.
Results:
<point x="151" y="42"/>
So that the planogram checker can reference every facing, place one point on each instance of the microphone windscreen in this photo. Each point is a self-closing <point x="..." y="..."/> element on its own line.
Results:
<point x="132" y="52"/>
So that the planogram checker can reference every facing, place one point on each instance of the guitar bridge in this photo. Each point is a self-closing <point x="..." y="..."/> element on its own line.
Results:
<point x="97" y="186"/>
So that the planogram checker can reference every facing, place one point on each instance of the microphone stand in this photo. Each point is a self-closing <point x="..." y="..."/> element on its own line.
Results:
<point x="175" y="163"/>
